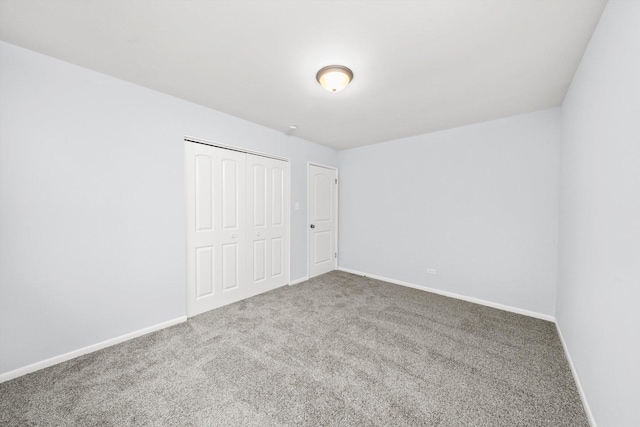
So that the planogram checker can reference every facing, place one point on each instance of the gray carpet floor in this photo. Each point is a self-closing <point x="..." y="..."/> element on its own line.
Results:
<point x="339" y="350"/>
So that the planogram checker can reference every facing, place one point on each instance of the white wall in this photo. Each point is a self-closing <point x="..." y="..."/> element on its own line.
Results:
<point x="599" y="268"/>
<point x="92" y="213"/>
<point x="478" y="203"/>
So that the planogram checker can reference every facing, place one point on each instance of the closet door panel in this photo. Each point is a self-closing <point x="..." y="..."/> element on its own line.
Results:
<point x="259" y="255"/>
<point x="277" y="195"/>
<point x="216" y="227"/>
<point x="267" y="205"/>
<point x="277" y="257"/>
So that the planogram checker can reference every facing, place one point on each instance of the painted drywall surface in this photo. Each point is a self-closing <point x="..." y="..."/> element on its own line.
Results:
<point x="478" y="203"/>
<point x="599" y="263"/>
<point x="92" y="213"/>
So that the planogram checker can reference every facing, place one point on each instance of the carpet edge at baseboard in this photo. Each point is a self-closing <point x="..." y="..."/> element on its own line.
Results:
<point x="583" y="396"/>
<point x="491" y="304"/>
<point x="15" y="373"/>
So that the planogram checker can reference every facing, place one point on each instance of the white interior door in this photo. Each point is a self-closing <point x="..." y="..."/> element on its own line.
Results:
<point x="323" y="222"/>
<point x="216" y="227"/>
<point x="268" y="219"/>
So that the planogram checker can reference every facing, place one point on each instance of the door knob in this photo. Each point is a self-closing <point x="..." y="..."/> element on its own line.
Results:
<point x="259" y="234"/>
<point x="233" y="236"/>
<point x="313" y="226"/>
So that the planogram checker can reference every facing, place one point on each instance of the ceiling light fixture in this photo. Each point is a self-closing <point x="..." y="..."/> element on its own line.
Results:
<point x="334" y="78"/>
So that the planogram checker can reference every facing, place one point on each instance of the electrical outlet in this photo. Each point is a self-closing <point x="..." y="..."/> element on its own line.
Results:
<point x="431" y="271"/>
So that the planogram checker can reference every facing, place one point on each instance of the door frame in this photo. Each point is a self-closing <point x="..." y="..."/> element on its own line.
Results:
<point x="193" y="139"/>
<point x="336" y="211"/>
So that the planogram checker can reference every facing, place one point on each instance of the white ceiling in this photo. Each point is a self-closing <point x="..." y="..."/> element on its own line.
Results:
<point x="418" y="66"/>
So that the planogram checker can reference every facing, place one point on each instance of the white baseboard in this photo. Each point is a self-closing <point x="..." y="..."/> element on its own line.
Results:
<point x="300" y="280"/>
<point x="583" y="397"/>
<point x="89" y="349"/>
<point x="456" y="296"/>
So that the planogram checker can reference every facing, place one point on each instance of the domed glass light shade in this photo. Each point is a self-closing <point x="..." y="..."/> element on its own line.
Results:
<point x="334" y="78"/>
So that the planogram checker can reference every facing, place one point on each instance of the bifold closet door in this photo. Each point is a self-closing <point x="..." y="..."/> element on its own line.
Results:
<point x="267" y="228"/>
<point x="237" y="226"/>
<point x="216" y="221"/>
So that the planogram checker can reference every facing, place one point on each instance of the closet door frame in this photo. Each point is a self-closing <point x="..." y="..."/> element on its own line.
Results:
<point x="191" y="139"/>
